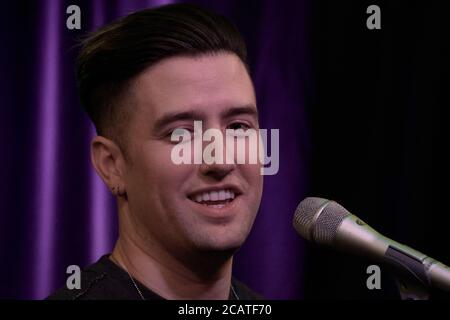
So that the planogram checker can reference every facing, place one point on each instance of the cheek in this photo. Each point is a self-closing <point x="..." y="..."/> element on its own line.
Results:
<point x="155" y="170"/>
<point x="155" y="183"/>
<point x="252" y="174"/>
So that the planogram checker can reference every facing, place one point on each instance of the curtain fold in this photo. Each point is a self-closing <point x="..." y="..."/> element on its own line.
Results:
<point x="56" y="211"/>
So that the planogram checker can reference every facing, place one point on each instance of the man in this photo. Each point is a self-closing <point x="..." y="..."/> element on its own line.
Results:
<point x="140" y="79"/>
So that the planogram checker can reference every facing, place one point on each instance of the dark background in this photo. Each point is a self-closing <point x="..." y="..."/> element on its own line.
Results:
<point x="377" y="131"/>
<point x="361" y="122"/>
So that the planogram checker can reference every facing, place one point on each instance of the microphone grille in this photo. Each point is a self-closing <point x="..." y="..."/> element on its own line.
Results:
<point x="304" y="215"/>
<point x="318" y="219"/>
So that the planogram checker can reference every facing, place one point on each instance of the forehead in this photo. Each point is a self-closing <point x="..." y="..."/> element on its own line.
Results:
<point x="207" y="83"/>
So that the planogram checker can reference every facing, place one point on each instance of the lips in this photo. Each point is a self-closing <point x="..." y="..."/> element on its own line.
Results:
<point x="217" y="198"/>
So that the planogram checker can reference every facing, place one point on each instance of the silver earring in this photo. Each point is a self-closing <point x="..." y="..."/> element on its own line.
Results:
<point x="121" y="191"/>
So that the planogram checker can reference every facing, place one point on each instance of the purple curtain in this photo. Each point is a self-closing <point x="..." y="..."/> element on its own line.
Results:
<point x="54" y="209"/>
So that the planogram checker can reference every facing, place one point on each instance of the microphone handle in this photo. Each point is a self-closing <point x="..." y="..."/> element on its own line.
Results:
<point x="354" y="235"/>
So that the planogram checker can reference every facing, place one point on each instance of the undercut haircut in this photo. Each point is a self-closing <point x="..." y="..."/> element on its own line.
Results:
<point x="113" y="56"/>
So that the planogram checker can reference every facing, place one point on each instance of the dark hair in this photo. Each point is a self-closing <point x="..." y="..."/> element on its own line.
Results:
<point x="112" y="56"/>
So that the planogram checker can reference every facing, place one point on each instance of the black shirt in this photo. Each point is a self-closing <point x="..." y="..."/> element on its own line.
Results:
<point x="104" y="280"/>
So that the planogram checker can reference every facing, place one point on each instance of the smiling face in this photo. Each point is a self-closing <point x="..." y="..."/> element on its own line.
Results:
<point x="190" y="206"/>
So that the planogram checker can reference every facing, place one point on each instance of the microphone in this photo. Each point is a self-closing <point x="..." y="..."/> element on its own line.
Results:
<point x="325" y="222"/>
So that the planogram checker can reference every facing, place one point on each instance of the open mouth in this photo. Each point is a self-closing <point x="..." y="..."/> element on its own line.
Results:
<point x="215" y="199"/>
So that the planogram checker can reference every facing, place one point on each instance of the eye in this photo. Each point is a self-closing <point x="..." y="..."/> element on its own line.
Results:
<point x="239" y="129"/>
<point x="238" y="126"/>
<point x="180" y="134"/>
<point x="181" y="130"/>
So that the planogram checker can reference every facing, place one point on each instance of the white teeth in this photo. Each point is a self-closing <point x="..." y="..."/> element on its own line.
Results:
<point x="214" y="196"/>
<point x="220" y="195"/>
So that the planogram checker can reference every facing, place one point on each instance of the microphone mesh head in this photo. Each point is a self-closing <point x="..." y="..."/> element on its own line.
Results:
<point x="304" y="215"/>
<point x="318" y="219"/>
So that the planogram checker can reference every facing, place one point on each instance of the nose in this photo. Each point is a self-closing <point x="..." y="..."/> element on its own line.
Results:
<point x="216" y="171"/>
<point x="223" y="164"/>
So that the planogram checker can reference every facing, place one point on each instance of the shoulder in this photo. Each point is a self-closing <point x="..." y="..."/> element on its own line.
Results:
<point x="98" y="282"/>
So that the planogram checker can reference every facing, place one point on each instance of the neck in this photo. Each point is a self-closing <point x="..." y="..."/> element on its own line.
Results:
<point x="203" y="275"/>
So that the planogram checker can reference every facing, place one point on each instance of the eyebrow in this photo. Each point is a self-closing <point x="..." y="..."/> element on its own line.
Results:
<point x="236" y="111"/>
<point x="171" y="117"/>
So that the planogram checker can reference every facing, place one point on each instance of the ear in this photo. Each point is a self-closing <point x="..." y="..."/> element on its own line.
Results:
<point x="108" y="160"/>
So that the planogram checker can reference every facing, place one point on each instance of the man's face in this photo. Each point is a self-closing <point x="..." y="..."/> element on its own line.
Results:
<point x="168" y="202"/>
